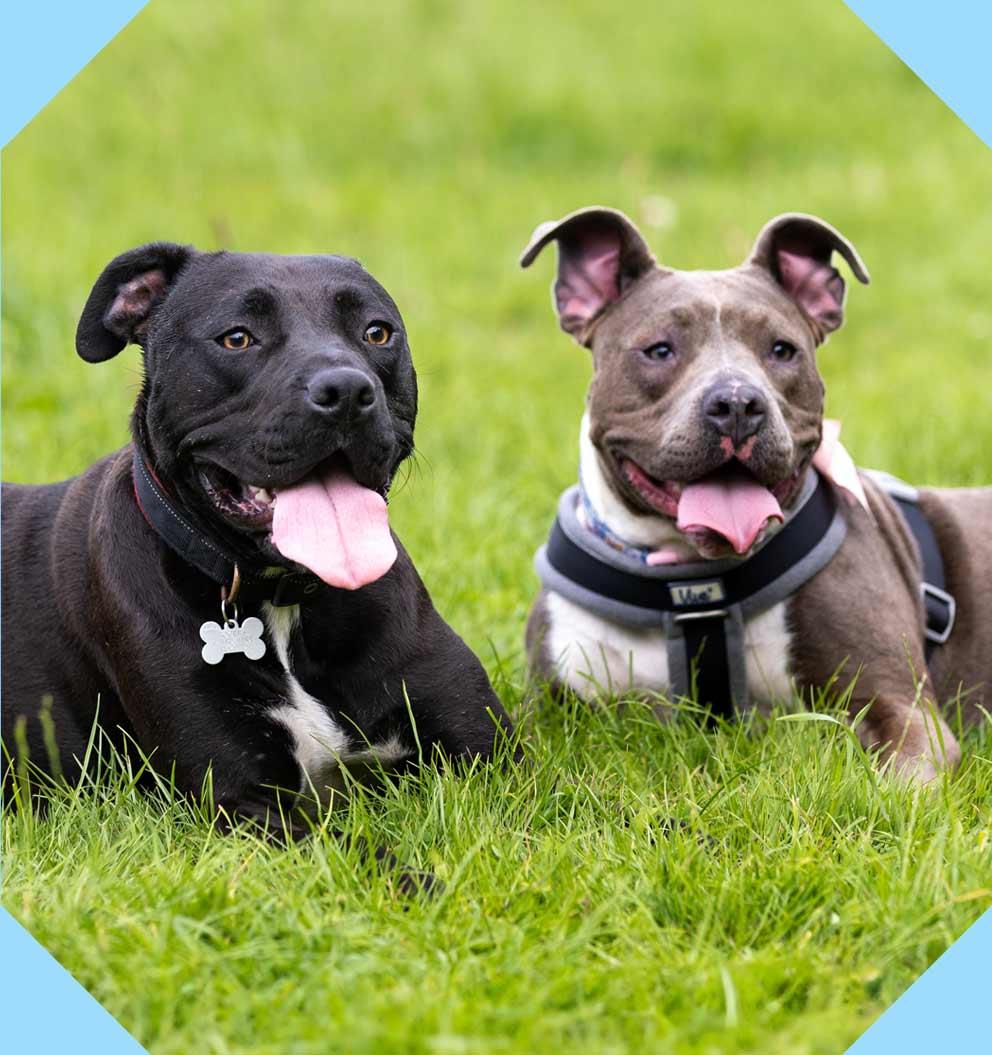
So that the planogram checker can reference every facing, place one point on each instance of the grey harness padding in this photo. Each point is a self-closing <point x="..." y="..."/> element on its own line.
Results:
<point x="698" y="581"/>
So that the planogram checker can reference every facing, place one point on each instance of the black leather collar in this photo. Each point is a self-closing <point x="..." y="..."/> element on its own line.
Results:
<point x="207" y="555"/>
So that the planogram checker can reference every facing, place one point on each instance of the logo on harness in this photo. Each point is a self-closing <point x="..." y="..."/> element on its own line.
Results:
<point x="697" y="593"/>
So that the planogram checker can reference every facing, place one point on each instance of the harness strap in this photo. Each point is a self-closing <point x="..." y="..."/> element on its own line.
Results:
<point x="706" y="651"/>
<point x="701" y="606"/>
<point x="939" y="606"/>
<point x="734" y="585"/>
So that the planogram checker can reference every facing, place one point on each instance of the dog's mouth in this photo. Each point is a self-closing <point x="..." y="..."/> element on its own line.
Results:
<point x="326" y="521"/>
<point x="726" y="511"/>
<point x="248" y="506"/>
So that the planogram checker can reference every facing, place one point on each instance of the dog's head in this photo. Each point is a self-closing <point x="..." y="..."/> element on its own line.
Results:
<point x="278" y="400"/>
<point x="706" y="403"/>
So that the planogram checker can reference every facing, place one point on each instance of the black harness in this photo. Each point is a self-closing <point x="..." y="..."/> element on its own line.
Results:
<point x="939" y="606"/>
<point x="249" y="586"/>
<point x="702" y="607"/>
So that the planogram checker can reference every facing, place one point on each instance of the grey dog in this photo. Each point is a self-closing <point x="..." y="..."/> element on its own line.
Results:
<point x="703" y="418"/>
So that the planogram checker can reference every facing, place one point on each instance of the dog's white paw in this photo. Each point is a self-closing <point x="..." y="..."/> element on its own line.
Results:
<point x="915" y="769"/>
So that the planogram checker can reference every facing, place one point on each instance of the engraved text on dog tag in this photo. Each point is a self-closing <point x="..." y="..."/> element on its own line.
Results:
<point x="232" y="638"/>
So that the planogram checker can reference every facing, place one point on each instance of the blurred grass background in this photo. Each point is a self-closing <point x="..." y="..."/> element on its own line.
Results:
<point x="428" y="138"/>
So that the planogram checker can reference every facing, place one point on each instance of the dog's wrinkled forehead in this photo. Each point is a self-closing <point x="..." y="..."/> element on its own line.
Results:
<point x="217" y="287"/>
<point x="705" y="309"/>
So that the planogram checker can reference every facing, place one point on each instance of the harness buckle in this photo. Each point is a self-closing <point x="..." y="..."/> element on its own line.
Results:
<point x="939" y="624"/>
<point x="713" y="613"/>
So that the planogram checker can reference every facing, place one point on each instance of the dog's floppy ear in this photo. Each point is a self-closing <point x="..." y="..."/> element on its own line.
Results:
<point x="797" y="250"/>
<point x="119" y="306"/>
<point x="600" y="253"/>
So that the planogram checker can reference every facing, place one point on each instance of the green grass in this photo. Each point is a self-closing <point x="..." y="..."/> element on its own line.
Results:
<point x="636" y="887"/>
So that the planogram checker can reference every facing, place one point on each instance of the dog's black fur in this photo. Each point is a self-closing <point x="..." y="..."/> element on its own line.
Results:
<point x="97" y="608"/>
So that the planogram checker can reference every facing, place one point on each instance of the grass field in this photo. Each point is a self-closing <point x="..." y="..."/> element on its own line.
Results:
<point x="636" y="888"/>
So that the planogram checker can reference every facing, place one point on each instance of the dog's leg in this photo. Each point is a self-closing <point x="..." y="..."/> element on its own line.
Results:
<point x="908" y="734"/>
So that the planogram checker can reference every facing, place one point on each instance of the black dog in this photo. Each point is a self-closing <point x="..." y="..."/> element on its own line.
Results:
<point x="227" y="586"/>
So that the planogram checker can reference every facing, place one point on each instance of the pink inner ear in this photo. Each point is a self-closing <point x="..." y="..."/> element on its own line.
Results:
<point x="814" y="285"/>
<point x="588" y="277"/>
<point x="128" y="314"/>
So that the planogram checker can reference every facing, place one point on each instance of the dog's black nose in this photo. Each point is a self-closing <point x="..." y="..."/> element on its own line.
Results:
<point x="341" y="390"/>
<point x="736" y="410"/>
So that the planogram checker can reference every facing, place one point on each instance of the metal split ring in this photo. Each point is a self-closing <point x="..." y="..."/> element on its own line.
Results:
<point x="228" y="596"/>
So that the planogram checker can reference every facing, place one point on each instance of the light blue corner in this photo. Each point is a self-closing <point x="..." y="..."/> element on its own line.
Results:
<point x="45" y="44"/>
<point x="45" y="1010"/>
<point x="946" y="44"/>
<point x="947" y="1009"/>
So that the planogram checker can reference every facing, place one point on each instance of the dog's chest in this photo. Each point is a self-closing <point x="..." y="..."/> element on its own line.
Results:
<point x="320" y="744"/>
<point x="593" y="655"/>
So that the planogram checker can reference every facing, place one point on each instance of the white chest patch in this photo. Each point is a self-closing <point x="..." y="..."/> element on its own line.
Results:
<point x="595" y="656"/>
<point x="320" y="743"/>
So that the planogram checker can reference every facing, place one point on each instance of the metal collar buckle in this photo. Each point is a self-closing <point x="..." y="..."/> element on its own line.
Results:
<point x="293" y="589"/>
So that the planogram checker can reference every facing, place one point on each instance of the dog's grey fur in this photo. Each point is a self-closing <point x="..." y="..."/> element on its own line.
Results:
<point x="859" y="622"/>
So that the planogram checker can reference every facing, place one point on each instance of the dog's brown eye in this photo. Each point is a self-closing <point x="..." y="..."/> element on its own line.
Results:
<point x="378" y="333"/>
<point x="236" y="340"/>
<point x="783" y="352"/>
<point x="659" y="352"/>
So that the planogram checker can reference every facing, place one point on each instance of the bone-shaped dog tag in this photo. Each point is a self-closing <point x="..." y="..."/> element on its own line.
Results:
<point x="232" y="638"/>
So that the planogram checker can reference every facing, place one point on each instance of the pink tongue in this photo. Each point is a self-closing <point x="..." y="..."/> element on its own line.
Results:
<point x="732" y="504"/>
<point x="336" y="528"/>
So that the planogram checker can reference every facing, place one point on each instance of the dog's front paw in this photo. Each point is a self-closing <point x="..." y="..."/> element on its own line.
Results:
<point x="419" y="884"/>
<point x="915" y="769"/>
<point x="409" y="882"/>
<point x="914" y="744"/>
